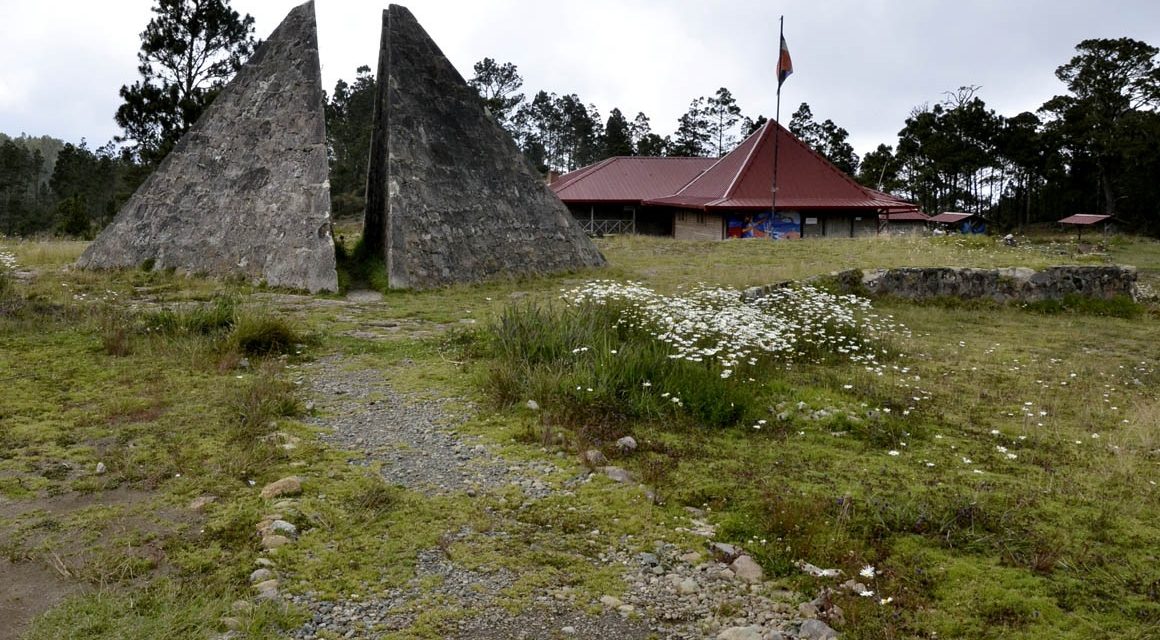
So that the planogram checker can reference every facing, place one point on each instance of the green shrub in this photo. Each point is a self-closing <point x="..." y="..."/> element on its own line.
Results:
<point x="586" y="367"/>
<point x="261" y="334"/>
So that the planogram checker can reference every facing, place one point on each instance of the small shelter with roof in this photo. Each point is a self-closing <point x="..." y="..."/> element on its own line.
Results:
<point x="731" y="197"/>
<point x="972" y="223"/>
<point x="904" y="222"/>
<point x="1081" y="220"/>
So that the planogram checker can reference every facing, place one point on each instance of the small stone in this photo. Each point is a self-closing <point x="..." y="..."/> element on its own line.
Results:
<point x="649" y="559"/>
<point x="267" y="585"/>
<point x="747" y="569"/>
<point x="627" y="444"/>
<point x="594" y="458"/>
<point x="808" y="610"/>
<point x="101" y="468"/>
<point x="752" y="632"/>
<point x="568" y="631"/>
<point x="691" y="558"/>
<point x="199" y="503"/>
<point x="264" y="562"/>
<point x="244" y="363"/>
<point x="610" y="602"/>
<point x="261" y="575"/>
<point x="288" y="486"/>
<point x="241" y="606"/>
<point x="724" y="552"/>
<point x="233" y="624"/>
<point x="816" y="630"/>
<point x="285" y="528"/>
<point x="533" y="405"/>
<point x="625" y="609"/>
<point x="617" y="474"/>
<point x="687" y="586"/>
<point x="725" y="574"/>
<point x="274" y="541"/>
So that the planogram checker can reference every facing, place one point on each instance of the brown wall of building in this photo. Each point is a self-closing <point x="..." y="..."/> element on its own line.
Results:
<point x="698" y="225"/>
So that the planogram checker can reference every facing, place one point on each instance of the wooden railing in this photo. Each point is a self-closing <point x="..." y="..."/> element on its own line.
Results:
<point x="607" y="227"/>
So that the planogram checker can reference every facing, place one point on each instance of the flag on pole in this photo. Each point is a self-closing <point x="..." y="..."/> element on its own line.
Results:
<point x="784" y="64"/>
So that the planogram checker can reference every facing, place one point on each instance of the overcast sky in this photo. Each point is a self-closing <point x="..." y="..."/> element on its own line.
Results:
<point x="864" y="64"/>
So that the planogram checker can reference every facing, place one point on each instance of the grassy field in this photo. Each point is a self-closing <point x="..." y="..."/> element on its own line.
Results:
<point x="1000" y="474"/>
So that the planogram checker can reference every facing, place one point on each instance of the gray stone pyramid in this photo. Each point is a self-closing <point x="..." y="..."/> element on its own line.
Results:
<point x="245" y="193"/>
<point x="450" y="198"/>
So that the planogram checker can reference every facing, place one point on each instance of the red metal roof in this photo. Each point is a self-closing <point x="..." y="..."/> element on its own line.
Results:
<point x="905" y="216"/>
<point x="742" y="180"/>
<point x="951" y="217"/>
<point x="1084" y="218"/>
<point x="628" y="179"/>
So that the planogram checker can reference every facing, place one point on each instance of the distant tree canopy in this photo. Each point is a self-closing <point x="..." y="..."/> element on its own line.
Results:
<point x="188" y="51"/>
<point x="74" y="194"/>
<point x="349" y="123"/>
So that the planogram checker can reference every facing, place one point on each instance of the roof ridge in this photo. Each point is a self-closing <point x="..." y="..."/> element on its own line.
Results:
<point x="745" y="163"/>
<point x="587" y="171"/>
<point x="826" y="161"/>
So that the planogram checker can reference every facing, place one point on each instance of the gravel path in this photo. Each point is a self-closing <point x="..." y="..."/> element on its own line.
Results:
<point x="670" y="593"/>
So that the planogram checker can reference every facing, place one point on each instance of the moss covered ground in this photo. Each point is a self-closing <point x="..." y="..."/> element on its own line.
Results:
<point x="1059" y="541"/>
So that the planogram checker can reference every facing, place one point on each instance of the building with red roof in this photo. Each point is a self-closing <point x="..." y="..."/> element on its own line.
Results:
<point x="713" y="199"/>
<point x="607" y="197"/>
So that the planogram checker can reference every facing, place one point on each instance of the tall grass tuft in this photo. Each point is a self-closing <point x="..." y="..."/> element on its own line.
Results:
<point x="585" y="367"/>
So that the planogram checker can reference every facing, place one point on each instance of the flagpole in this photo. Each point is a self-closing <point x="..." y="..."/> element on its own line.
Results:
<point x="776" y="133"/>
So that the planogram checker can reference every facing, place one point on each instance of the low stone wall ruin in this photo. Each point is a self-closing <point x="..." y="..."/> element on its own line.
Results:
<point x="1012" y="284"/>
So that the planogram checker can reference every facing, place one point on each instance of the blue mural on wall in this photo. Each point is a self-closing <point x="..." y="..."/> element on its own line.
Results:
<point x="784" y="225"/>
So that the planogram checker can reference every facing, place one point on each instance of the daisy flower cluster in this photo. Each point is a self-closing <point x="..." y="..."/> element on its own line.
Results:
<point x="716" y="325"/>
<point x="7" y="261"/>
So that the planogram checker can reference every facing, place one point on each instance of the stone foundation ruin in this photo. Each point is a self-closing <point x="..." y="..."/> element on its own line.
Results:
<point x="1013" y="284"/>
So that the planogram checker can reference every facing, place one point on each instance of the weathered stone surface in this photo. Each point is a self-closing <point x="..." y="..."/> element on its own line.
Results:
<point x="1013" y="284"/>
<point x="450" y="198"/>
<point x="246" y="192"/>
<point x="288" y="486"/>
<point x="747" y="569"/>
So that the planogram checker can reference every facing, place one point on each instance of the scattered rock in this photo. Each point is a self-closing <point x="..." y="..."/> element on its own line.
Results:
<point x="199" y="503"/>
<point x="610" y="601"/>
<point x="285" y="528"/>
<point x="241" y="606"/>
<point x="594" y="458"/>
<point x="288" y="486"/>
<point x="267" y="590"/>
<point x="687" y="586"/>
<point x="747" y="569"/>
<point x="724" y="552"/>
<point x="232" y="624"/>
<point x="101" y="468"/>
<point x="625" y="609"/>
<point x="617" y="474"/>
<point x="568" y="631"/>
<point x="533" y="405"/>
<point x="808" y="610"/>
<point x="274" y="542"/>
<point x="261" y="575"/>
<point x="752" y="632"/>
<point x="627" y="444"/>
<point x="816" y="630"/>
<point x="691" y="557"/>
<point x="649" y="559"/>
<point x="819" y="572"/>
<point x="725" y="574"/>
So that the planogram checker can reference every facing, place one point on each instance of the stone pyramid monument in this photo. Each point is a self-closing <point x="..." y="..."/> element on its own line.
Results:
<point x="246" y="191"/>
<point x="450" y="198"/>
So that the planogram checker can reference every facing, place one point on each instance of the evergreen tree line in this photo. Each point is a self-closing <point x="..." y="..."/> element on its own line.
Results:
<point x="48" y="186"/>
